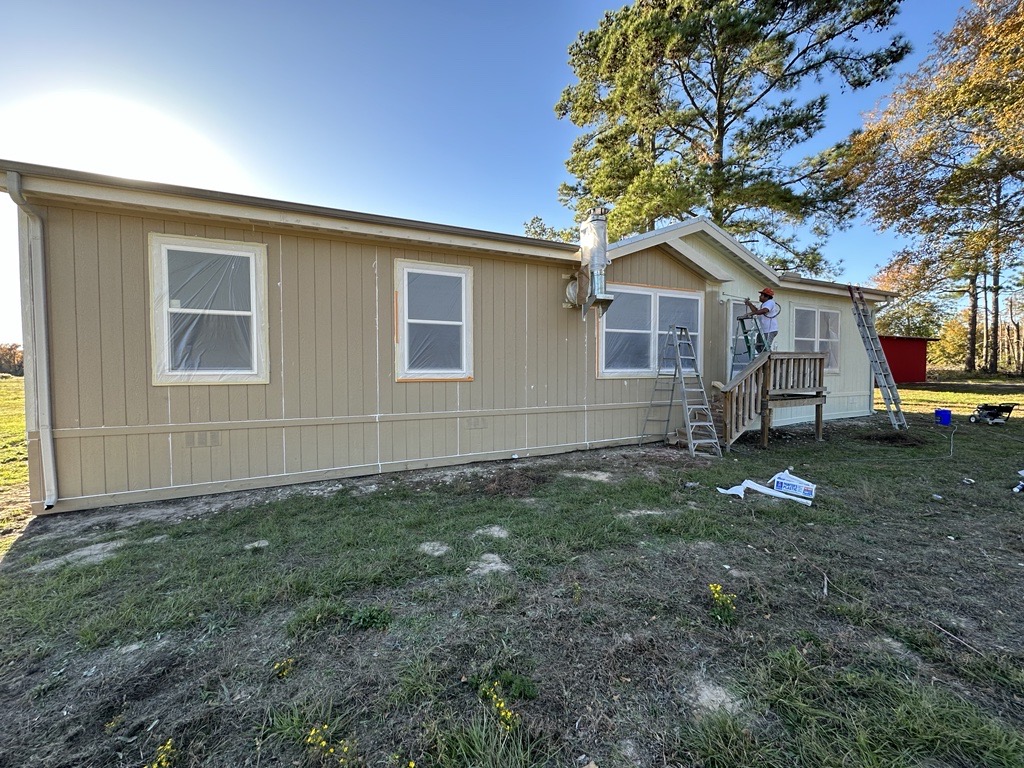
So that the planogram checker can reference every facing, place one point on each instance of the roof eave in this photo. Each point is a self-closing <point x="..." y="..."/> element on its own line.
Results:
<point x="48" y="183"/>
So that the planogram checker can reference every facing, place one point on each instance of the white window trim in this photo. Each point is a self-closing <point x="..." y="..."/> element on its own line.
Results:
<point x="654" y="332"/>
<point x="403" y="268"/>
<point x="817" y="328"/>
<point x="159" y="245"/>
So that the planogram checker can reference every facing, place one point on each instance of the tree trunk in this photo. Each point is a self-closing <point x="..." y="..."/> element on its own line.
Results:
<point x="971" y="358"/>
<point x="992" y="360"/>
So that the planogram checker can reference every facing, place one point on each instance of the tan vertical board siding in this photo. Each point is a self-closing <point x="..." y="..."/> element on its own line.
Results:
<point x="36" y="492"/>
<point x="238" y="439"/>
<point x="60" y="275"/>
<point x="518" y="342"/>
<point x="554" y="339"/>
<point x="362" y="274"/>
<point x="87" y="311"/>
<point x="68" y="458"/>
<point x="355" y="362"/>
<point x="139" y="476"/>
<point x="159" y="460"/>
<point x="135" y="317"/>
<point x="115" y="464"/>
<point x="111" y="311"/>
<point x="498" y="319"/>
<point x="266" y="447"/>
<point x="308" y="382"/>
<point x="406" y="438"/>
<point x="323" y="343"/>
<point x="304" y="312"/>
<point x="287" y="438"/>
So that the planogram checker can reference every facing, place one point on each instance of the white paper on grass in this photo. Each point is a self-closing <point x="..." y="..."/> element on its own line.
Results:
<point x="793" y="485"/>
<point x="738" y="490"/>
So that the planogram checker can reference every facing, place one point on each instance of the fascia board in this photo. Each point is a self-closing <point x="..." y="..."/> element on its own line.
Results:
<point x="674" y="235"/>
<point x="875" y="295"/>
<point x="253" y="210"/>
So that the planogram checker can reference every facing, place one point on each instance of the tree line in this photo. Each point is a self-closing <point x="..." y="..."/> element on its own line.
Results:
<point x="12" y="359"/>
<point x="714" y="108"/>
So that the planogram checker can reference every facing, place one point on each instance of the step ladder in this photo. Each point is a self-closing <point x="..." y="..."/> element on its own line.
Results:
<point x="684" y="384"/>
<point x="747" y="343"/>
<point x="876" y="355"/>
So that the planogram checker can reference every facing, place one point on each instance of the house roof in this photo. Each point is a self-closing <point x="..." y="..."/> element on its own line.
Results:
<point x="837" y="289"/>
<point x="41" y="182"/>
<point x="673" y="239"/>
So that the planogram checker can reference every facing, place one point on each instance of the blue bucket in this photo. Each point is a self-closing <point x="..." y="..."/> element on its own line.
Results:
<point x="943" y="417"/>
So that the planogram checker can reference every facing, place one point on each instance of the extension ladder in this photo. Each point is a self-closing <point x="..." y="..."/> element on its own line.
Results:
<point x="876" y="355"/>
<point x="747" y="343"/>
<point x="685" y="378"/>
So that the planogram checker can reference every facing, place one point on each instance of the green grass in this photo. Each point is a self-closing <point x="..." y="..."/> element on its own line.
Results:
<point x="14" y="510"/>
<point x="13" y="455"/>
<point x="854" y="715"/>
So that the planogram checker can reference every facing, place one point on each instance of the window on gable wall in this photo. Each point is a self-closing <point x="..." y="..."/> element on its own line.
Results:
<point x="635" y="327"/>
<point x="817" y="330"/>
<point x="209" y="304"/>
<point x="434" y="321"/>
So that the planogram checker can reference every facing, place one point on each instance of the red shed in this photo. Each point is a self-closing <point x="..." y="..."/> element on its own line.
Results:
<point x="907" y="357"/>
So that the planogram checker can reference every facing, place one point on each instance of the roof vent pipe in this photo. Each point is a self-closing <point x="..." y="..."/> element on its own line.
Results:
<point x="594" y="258"/>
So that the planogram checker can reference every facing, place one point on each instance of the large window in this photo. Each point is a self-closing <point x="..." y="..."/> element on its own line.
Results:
<point x="635" y="329"/>
<point x="434" y="333"/>
<point x="209" y="309"/>
<point x="817" y="330"/>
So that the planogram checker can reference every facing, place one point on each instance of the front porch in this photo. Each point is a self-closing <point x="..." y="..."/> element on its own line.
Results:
<point x="771" y="380"/>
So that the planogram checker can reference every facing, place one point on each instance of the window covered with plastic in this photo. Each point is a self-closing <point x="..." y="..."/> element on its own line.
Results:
<point x="817" y="330"/>
<point x="635" y="328"/>
<point x="209" y="311"/>
<point x="433" y="337"/>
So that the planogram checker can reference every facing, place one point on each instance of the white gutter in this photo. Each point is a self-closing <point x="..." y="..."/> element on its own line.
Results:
<point x="37" y="351"/>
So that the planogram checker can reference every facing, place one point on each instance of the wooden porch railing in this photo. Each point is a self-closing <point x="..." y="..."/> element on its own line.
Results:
<point x="772" y="380"/>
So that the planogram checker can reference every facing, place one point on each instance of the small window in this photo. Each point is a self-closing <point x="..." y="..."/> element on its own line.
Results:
<point x="817" y="330"/>
<point x="635" y="329"/>
<point x="434" y="329"/>
<point x="209" y="307"/>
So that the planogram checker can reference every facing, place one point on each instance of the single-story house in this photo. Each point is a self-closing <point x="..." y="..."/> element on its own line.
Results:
<point x="182" y="342"/>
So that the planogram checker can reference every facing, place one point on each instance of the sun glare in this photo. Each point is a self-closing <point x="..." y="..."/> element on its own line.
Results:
<point x="102" y="133"/>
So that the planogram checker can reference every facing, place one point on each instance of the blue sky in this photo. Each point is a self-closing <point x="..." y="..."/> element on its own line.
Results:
<point x="436" y="111"/>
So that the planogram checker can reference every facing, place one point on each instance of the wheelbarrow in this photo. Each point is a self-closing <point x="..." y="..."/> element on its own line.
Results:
<point x="992" y="413"/>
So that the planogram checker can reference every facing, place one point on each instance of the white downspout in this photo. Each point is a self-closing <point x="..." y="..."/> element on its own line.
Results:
<point x="37" y="346"/>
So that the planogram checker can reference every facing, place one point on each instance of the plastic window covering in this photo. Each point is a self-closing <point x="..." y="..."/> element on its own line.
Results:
<point x="434" y="337"/>
<point x="817" y="331"/>
<point x="828" y="337"/>
<point x="677" y="310"/>
<point x="627" y="332"/>
<point x="636" y="325"/>
<point x="209" y="304"/>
